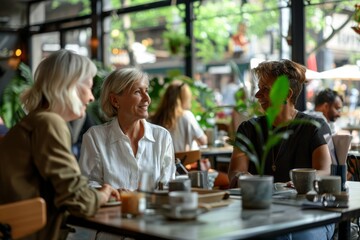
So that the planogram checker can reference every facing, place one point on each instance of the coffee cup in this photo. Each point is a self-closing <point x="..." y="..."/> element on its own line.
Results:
<point x="199" y="179"/>
<point x="183" y="203"/>
<point x="132" y="204"/>
<point x="303" y="179"/>
<point x="180" y="184"/>
<point x="328" y="184"/>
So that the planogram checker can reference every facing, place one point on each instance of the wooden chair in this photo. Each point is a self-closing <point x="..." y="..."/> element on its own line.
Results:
<point x="22" y="218"/>
<point x="188" y="157"/>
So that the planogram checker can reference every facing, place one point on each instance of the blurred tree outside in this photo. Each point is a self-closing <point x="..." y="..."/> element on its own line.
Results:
<point x="212" y="29"/>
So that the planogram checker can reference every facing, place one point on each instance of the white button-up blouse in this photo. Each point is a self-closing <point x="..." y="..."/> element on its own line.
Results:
<point x="107" y="156"/>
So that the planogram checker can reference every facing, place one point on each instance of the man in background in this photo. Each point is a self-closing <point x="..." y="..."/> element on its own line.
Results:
<point x="328" y="105"/>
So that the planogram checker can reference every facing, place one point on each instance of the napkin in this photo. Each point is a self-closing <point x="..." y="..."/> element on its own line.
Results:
<point x="341" y="146"/>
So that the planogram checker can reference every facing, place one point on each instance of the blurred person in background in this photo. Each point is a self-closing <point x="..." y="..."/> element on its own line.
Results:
<point x="174" y="114"/>
<point x="328" y="105"/>
<point x="3" y="128"/>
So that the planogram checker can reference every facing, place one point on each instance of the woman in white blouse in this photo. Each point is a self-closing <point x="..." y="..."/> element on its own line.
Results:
<point x="119" y="151"/>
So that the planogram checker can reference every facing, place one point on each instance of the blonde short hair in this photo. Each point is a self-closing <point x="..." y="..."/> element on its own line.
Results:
<point x="118" y="81"/>
<point x="56" y="80"/>
<point x="271" y="70"/>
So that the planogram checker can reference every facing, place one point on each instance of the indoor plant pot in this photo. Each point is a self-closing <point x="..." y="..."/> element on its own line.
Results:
<point x="256" y="191"/>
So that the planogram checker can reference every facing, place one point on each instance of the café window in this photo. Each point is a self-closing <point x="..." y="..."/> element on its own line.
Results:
<point x="46" y="11"/>
<point x="140" y="39"/>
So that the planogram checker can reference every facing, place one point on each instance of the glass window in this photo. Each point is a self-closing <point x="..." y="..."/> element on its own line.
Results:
<point x="79" y="41"/>
<point x="112" y="5"/>
<point x="227" y="42"/>
<point x="58" y="9"/>
<point x="141" y="39"/>
<point x="331" y="43"/>
<point x="42" y="45"/>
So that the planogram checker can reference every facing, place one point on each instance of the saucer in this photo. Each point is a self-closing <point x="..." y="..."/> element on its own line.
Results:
<point x="182" y="215"/>
<point x="112" y="203"/>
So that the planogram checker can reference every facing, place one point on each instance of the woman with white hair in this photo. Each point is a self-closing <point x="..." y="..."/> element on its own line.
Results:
<point x="118" y="151"/>
<point x="36" y="157"/>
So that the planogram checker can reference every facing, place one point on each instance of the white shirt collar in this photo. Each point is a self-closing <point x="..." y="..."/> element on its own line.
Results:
<point x="116" y="133"/>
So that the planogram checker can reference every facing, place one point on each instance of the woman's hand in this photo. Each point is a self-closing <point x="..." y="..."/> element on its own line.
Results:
<point x="108" y="193"/>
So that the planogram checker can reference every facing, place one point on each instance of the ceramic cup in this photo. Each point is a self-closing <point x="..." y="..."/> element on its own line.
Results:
<point x="199" y="179"/>
<point x="303" y="179"/>
<point x="132" y="204"/>
<point x="328" y="184"/>
<point x="183" y="203"/>
<point x="256" y="191"/>
<point x="180" y="184"/>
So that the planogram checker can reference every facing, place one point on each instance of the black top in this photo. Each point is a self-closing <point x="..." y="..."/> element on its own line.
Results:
<point x="294" y="152"/>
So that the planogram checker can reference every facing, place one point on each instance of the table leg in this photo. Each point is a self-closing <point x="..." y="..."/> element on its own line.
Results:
<point x="344" y="230"/>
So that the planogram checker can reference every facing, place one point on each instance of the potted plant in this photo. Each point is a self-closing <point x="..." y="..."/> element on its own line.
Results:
<point x="175" y="42"/>
<point x="11" y="109"/>
<point x="257" y="190"/>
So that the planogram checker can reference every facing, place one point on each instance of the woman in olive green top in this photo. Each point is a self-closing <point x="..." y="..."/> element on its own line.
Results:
<point x="36" y="158"/>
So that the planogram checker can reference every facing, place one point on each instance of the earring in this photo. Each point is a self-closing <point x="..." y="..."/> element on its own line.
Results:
<point x="285" y="102"/>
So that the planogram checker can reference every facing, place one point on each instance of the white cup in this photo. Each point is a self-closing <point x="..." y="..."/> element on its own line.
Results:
<point x="182" y="203"/>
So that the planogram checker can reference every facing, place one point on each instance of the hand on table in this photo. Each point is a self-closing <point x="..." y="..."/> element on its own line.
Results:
<point x="108" y="193"/>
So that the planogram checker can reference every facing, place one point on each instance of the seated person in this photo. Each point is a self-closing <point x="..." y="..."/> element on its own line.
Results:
<point x="305" y="147"/>
<point x="173" y="113"/>
<point x="78" y="128"/>
<point x="36" y="157"/>
<point x="328" y="105"/>
<point x="117" y="152"/>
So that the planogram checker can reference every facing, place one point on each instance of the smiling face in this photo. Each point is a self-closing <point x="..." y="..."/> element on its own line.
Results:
<point x="133" y="103"/>
<point x="263" y="93"/>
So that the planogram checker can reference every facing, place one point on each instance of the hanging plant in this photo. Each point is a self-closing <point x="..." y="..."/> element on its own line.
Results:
<point x="356" y="28"/>
<point x="175" y="42"/>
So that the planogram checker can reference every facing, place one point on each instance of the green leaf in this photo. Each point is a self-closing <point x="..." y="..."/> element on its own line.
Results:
<point x="278" y="94"/>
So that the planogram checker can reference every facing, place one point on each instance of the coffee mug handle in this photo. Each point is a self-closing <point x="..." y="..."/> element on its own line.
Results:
<point x="316" y="185"/>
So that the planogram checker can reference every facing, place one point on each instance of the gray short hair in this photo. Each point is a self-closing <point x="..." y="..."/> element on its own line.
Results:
<point x="118" y="81"/>
<point x="56" y="80"/>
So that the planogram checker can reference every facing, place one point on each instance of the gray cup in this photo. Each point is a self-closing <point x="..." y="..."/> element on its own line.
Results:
<point x="199" y="179"/>
<point x="303" y="179"/>
<point x="180" y="184"/>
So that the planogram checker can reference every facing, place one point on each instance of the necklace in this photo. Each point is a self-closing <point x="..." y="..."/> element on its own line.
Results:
<point x="274" y="159"/>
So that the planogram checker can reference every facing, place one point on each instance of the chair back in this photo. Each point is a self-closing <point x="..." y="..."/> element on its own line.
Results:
<point x="24" y="217"/>
<point x="188" y="157"/>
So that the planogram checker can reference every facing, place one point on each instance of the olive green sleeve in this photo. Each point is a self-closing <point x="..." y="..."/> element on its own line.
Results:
<point x="51" y="147"/>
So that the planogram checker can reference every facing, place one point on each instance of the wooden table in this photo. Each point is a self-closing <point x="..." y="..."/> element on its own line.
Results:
<point x="230" y="222"/>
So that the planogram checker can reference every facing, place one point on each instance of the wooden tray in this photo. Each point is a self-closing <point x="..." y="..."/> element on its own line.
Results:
<point x="210" y="196"/>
